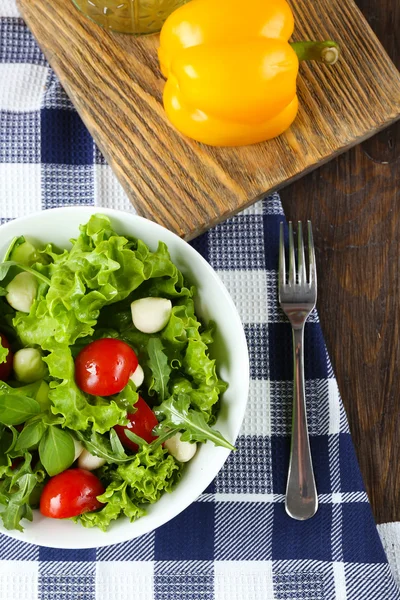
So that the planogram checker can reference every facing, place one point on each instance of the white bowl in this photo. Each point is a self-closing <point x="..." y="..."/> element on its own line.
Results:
<point x="230" y="349"/>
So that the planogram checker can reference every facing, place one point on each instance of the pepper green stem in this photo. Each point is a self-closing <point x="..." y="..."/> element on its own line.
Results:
<point x="327" y="52"/>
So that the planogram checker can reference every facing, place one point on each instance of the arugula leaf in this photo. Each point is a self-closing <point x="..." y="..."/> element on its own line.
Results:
<point x="6" y="266"/>
<point x="25" y="253"/>
<point x="100" y="446"/>
<point x="31" y="435"/>
<point x="15" y="242"/>
<point x="176" y="413"/>
<point x="163" y="434"/>
<point x="16" y="408"/>
<point x="116" y="445"/>
<point x="135" y="438"/>
<point x="56" y="450"/>
<point x="16" y="487"/>
<point x="158" y="363"/>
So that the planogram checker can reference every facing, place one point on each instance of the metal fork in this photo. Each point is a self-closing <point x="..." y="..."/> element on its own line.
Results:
<point x="297" y="297"/>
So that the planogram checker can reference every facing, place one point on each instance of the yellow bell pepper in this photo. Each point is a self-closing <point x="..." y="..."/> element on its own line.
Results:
<point x="231" y="72"/>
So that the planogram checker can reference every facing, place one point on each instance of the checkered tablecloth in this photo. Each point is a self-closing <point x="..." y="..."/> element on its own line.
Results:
<point x="236" y="540"/>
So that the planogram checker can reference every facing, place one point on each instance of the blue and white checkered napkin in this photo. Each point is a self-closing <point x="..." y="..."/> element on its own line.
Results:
<point x="235" y="541"/>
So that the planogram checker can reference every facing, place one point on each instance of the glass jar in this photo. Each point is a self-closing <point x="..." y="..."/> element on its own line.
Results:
<point x="138" y="17"/>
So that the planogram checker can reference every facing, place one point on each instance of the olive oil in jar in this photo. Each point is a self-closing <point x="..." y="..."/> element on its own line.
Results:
<point x="138" y="17"/>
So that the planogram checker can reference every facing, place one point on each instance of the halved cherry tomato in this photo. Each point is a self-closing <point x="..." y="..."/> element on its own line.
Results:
<point x="6" y="367"/>
<point x="71" y="493"/>
<point x="104" y="366"/>
<point x="142" y="423"/>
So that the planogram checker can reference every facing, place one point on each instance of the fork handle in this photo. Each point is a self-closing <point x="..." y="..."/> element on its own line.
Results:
<point x="301" y="493"/>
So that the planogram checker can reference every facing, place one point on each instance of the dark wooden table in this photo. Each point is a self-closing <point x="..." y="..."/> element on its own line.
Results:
<point x="354" y="204"/>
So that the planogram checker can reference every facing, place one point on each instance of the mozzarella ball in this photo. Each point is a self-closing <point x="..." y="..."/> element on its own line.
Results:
<point x="89" y="461"/>
<point x="150" y="315"/>
<point x="182" y="451"/>
<point x="21" y="291"/>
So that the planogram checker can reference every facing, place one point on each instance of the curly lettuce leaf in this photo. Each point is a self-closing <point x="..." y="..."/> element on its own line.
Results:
<point x="102" y="268"/>
<point x="152" y="472"/>
<point x="188" y="345"/>
<point x="117" y="503"/>
<point x="142" y="481"/>
<point x="188" y="367"/>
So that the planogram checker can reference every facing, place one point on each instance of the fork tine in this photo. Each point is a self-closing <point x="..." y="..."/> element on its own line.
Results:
<point x="300" y="256"/>
<point x="282" y="265"/>
<point x="311" y="253"/>
<point x="292" y="264"/>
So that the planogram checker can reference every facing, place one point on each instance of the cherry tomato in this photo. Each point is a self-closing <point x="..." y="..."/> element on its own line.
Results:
<point x="142" y="423"/>
<point x="6" y="367"/>
<point x="104" y="366"/>
<point x="71" y="493"/>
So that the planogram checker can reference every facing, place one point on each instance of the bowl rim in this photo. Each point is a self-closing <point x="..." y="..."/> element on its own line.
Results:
<point x="221" y="453"/>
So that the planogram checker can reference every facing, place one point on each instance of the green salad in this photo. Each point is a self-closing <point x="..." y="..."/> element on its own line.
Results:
<point x="106" y="381"/>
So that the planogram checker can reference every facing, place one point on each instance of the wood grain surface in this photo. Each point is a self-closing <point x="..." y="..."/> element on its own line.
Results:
<point x="354" y="203"/>
<point x="116" y="86"/>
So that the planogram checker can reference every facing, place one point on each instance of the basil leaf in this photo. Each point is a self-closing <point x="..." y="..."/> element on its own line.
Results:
<point x="135" y="438"/>
<point x="160" y="369"/>
<point x="16" y="409"/>
<point x="3" y="291"/>
<point x="31" y="435"/>
<point x="178" y="414"/>
<point x="56" y="450"/>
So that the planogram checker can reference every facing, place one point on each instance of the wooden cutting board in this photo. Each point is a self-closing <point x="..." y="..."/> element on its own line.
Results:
<point x="116" y="86"/>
